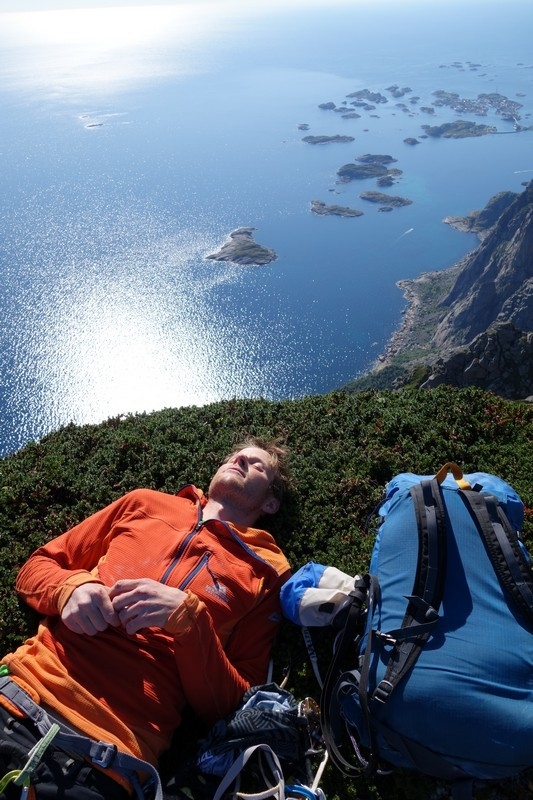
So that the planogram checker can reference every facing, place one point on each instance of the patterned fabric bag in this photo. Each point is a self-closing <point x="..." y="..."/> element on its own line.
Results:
<point x="267" y="715"/>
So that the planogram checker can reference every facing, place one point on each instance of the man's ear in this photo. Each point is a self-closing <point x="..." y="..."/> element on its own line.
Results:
<point x="271" y="505"/>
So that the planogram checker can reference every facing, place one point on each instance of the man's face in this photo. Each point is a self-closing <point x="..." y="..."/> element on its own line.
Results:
<point x="245" y="479"/>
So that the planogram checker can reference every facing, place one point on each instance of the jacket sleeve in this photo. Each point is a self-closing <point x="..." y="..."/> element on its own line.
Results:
<point x="214" y="678"/>
<point x="54" y="570"/>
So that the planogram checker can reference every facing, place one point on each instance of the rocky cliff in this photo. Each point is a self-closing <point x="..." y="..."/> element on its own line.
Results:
<point x="481" y="222"/>
<point x="471" y="325"/>
<point x="498" y="360"/>
<point x="495" y="283"/>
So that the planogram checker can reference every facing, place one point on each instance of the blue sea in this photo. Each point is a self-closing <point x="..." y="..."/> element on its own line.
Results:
<point x="135" y="138"/>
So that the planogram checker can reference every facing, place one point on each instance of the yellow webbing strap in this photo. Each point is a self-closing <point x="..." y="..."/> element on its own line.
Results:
<point x="21" y="777"/>
<point x="457" y="473"/>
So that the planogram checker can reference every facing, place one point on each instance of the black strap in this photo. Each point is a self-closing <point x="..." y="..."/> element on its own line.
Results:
<point x="102" y="754"/>
<point x="504" y="550"/>
<point x="418" y="623"/>
<point x="424" y="602"/>
<point x="330" y="707"/>
<point x="371" y="766"/>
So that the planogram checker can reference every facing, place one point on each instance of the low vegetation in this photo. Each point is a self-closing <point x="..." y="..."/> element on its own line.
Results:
<point x="344" y="449"/>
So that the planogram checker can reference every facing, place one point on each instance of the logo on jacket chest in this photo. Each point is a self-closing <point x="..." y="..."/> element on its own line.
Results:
<point x="219" y="591"/>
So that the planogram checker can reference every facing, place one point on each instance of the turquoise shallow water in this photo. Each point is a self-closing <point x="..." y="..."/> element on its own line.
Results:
<point x="122" y="167"/>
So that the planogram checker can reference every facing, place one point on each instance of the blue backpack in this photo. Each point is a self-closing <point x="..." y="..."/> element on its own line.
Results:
<point x="433" y="670"/>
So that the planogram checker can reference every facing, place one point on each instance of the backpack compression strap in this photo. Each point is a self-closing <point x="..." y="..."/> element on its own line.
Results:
<point x="422" y="609"/>
<point x="504" y="550"/>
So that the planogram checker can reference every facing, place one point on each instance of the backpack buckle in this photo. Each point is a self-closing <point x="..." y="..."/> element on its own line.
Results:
<point x="388" y="638"/>
<point x="103" y="755"/>
<point x="382" y="691"/>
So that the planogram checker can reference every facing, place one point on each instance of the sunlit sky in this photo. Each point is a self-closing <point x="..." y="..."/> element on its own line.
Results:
<point x="45" y="5"/>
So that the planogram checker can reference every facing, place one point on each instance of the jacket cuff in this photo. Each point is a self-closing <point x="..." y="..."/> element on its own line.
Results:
<point x="63" y="592"/>
<point x="182" y="620"/>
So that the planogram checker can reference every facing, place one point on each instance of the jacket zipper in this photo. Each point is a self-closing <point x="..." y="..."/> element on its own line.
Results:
<point x="248" y="549"/>
<point x="206" y="556"/>
<point x="182" y="547"/>
<point x="192" y="574"/>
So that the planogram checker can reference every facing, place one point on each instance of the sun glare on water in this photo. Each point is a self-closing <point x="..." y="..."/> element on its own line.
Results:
<point x="101" y="50"/>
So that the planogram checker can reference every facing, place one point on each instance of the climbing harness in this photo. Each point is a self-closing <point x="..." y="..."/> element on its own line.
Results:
<point x="98" y="753"/>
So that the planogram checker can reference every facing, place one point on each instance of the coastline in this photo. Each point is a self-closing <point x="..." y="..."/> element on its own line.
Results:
<point x="425" y="296"/>
<point x="401" y="337"/>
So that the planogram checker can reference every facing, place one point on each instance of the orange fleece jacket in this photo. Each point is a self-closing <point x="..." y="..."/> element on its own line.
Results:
<point x="131" y="689"/>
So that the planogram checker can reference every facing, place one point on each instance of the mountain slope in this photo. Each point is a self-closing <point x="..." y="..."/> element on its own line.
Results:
<point x="470" y="325"/>
<point x="495" y="284"/>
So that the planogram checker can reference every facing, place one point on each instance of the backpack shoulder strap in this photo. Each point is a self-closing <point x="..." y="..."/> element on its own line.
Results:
<point x="419" y="620"/>
<point x="424" y="602"/>
<point x="504" y="549"/>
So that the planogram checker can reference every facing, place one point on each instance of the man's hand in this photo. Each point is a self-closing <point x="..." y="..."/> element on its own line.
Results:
<point x="144" y="603"/>
<point x="89" y="609"/>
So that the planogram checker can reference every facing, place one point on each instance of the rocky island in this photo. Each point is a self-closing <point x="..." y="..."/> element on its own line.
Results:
<point x="358" y="172"/>
<point x="461" y="129"/>
<point x="243" y="249"/>
<point x="327" y="139"/>
<point x="366" y="94"/>
<point x="387" y="200"/>
<point x="318" y="207"/>
<point x="480" y="105"/>
<point x="376" y="158"/>
<point x="369" y="165"/>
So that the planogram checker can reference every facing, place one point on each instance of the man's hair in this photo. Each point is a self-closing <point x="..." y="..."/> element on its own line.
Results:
<point x="278" y="453"/>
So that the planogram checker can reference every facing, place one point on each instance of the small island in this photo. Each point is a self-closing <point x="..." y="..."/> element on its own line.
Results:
<point x="387" y="200"/>
<point x="366" y="94"/>
<point x="243" y="249"/>
<point x="369" y="165"/>
<point x="480" y="105"/>
<point x="376" y="158"/>
<point x="396" y="91"/>
<point x="360" y="172"/>
<point x="327" y="139"/>
<point x="385" y="180"/>
<point x="461" y="129"/>
<point x="320" y="208"/>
